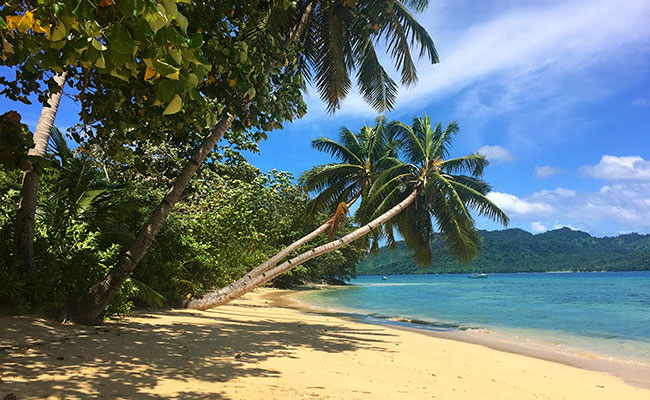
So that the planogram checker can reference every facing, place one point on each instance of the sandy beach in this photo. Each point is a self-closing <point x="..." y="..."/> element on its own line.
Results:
<point x="255" y="349"/>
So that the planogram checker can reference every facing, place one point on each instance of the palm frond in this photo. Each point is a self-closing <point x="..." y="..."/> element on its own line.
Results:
<point x="340" y="215"/>
<point x="147" y="294"/>
<point x="480" y="203"/>
<point x="375" y="85"/>
<point x="473" y="165"/>
<point x="344" y="152"/>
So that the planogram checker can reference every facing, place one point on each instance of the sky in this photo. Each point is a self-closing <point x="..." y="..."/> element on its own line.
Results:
<point x="556" y="94"/>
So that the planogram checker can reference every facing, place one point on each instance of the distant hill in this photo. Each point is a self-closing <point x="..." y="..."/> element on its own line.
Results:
<point x="515" y="250"/>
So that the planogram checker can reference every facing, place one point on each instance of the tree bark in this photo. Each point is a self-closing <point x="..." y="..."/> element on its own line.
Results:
<point x="89" y="307"/>
<point x="25" y="216"/>
<point x="271" y="262"/>
<point x="244" y="286"/>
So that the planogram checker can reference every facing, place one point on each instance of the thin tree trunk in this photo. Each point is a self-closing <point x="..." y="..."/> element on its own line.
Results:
<point x="242" y="286"/>
<point x="271" y="262"/>
<point x="89" y="308"/>
<point x="26" y="214"/>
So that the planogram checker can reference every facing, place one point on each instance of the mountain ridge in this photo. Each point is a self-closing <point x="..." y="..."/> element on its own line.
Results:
<point x="516" y="250"/>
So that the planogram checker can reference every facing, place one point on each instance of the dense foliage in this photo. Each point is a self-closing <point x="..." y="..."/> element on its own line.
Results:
<point x="515" y="250"/>
<point x="232" y="218"/>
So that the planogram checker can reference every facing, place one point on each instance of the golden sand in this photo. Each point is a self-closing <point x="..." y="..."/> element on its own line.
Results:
<point x="252" y="349"/>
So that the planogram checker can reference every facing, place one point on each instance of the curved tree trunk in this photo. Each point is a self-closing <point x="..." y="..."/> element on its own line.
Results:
<point x="271" y="262"/>
<point x="244" y="286"/>
<point x="89" y="308"/>
<point x="24" y="226"/>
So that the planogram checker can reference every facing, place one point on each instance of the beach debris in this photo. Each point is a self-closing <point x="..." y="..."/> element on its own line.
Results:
<point x="238" y="356"/>
<point x="10" y="396"/>
<point x="60" y="358"/>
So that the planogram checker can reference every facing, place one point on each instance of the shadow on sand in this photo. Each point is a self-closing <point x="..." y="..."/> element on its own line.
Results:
<point x="129" y="359"/>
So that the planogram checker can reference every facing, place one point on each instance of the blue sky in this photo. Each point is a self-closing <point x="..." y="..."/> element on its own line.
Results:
<point x="555" y="93"/>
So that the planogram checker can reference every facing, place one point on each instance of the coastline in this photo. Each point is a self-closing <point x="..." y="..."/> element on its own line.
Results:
<point x="253" y="348"/>
<point x="633" y="373"/>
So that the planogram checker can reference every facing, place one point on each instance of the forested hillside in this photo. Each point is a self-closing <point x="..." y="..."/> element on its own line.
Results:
<point x="515" y="250"/>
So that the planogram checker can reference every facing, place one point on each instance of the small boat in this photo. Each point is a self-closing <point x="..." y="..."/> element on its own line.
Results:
<point x="477" y="276"/>
<point x="384" y="278"/>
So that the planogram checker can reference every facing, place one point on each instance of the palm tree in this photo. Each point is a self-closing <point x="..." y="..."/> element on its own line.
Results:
<point x="426" y="186"/>
<point x="25" y="216"/>
<point x="362" y="157"/>
<point x="337" y="38"/>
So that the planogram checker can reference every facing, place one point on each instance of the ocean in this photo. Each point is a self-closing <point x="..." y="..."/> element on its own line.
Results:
<point x="604" y="314"/>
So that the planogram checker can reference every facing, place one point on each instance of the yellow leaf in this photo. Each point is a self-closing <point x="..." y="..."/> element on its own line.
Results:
<point x="233" y="82"/>
<point x="210" y="80"/>
<point x="149" y="73"/>
<point x="105" y="3"/>
<point x="174" y="106"/>
<point x="21" y="22"/>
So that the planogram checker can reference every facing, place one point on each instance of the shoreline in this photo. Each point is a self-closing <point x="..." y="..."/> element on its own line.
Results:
<point x="252" y="348"/>
<point x="633" y="373"/>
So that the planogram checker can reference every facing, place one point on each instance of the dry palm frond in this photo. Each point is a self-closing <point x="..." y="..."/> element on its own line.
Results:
<point x="340" y="215"/>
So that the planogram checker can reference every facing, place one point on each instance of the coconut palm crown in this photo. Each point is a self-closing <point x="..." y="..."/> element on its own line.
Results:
<point x="448" y="190"/>
<point x="362" y="156"/>
<point x="339" y="40"/>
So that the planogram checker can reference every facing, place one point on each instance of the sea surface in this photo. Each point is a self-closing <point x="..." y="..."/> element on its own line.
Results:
<point x="606" y="314"/>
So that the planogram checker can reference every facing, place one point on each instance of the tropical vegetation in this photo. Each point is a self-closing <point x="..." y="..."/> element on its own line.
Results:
<point x="515" y="250"/>
<point x="160" y="83"/>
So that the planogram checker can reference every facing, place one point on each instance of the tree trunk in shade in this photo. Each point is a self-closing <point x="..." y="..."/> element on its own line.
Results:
<point x="25" y="217"/>
<point x="89" y="307"/>
<point x="243" y="286"/>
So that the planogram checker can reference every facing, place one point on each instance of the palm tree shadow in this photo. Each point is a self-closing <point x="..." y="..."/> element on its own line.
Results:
<point x="133" y="359"/>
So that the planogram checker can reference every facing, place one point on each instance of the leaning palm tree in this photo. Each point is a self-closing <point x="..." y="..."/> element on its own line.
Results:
<point x="336" y="38"/>
<point x="362" y="157"/>
<point x="425" y="187"/>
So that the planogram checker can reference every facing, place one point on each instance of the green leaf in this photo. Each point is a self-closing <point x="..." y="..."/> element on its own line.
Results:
<point x="182" y="22"/>
<point x="98" y="45"/>
<point x="3" y="24"/>
<point x="174" y="105"/>
<point x="59" y="33"/>
<point x="196" y="41"/>
<point x="196" y="96"/>
<point x="127" y="7"/>
<point x="121" y="41"/>
<point x="165" y="91"/>
<point x="165" y="69"/>
<point x="156" y="20"/>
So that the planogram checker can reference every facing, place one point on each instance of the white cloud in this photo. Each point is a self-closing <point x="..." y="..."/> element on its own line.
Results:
<point x="496" y="153"/>
<point x="546" y="195"/>
<point x="522" y="42"/>
<point x="609" y="210"/>
<point x="537" y="227"/>
<point x="619" y="168"/>
<point x="560" y="226"/>
<point x="546" y="171"/>
<point x="512" y="204"/>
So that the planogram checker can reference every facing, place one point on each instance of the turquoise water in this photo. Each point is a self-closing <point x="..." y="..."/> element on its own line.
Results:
<point x="606" y="313"/>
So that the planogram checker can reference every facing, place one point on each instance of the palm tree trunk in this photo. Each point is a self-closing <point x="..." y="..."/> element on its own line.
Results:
<point x="24" y="226"/>
<point x="271" y="262"/>
<point x="243" y="286"/>
<point x="88" y="308"/>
